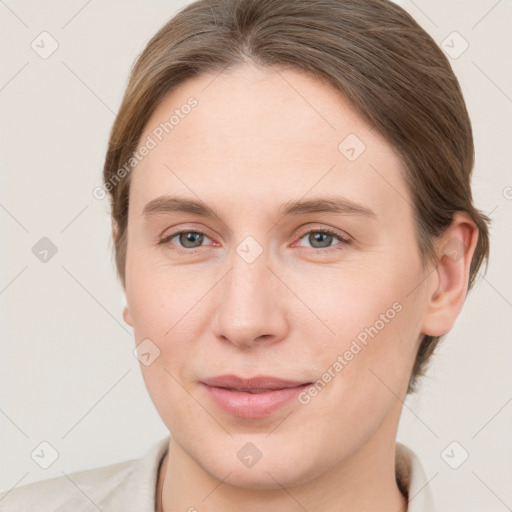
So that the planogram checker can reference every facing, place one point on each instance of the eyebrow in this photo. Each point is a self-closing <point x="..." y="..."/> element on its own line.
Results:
<point x="341" y="205"/>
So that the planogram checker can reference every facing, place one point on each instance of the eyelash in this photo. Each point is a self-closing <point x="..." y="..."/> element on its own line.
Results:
<point x="343" y="240"/>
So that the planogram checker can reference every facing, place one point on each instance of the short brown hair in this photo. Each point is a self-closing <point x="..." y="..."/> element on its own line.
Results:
<point x="377" y="56"/>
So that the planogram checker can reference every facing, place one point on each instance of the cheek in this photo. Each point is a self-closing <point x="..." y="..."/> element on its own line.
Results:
<point x="158" y="296"/>
<point x="166" y="314"/>
<point x="375" y="322"/>
<point x="362" y="369"/>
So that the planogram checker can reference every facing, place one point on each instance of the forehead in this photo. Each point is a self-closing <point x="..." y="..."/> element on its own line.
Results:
<point x="265" y="134"/>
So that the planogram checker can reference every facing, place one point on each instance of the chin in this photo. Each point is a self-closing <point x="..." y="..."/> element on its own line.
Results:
<point x="279" y="468"/>
<point x="266" y="478"/>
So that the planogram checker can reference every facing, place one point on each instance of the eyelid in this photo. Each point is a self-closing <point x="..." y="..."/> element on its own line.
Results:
<point x="176" y="230"/>
<point x="343" y="238"/>
<point x="163" y="238"/>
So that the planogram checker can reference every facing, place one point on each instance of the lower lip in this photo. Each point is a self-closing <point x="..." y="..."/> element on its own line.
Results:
<point x="252" y="405"/>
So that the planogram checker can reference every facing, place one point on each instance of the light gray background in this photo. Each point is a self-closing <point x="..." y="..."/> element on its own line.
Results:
<point x="68" y="375"/>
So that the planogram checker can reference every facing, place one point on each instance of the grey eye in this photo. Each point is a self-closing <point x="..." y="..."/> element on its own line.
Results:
<point x="190" y="239"/>
<point x="319" y="239"/>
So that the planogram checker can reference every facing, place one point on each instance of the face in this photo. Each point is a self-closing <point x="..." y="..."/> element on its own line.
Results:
<point x="327" y="292"/>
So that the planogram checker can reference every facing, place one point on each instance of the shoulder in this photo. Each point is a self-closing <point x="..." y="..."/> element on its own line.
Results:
<point x="78" y="491"/>
<point x="122" y="487"/>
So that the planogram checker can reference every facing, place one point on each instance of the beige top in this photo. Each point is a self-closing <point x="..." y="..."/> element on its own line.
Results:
<point x="131" y="486"/>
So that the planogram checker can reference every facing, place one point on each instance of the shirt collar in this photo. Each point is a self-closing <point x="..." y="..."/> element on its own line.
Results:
<point x="411" y="477"/>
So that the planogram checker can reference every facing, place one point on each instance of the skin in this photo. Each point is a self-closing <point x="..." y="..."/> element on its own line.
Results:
<point x="260" y="137"/>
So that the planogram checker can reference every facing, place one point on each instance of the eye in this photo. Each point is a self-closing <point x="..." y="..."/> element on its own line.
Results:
<point x="323" y="238"/>
<point x="186" y="239"/>
<point x="318" y="238"/>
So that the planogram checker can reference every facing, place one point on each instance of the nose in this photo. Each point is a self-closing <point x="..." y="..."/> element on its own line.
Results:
<point x="251" y="307"/>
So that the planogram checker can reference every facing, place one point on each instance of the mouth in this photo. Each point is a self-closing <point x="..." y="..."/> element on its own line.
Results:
<point x="252" y="391"/>
<point x="258" y="384"/>
<point x="252" y="398"/>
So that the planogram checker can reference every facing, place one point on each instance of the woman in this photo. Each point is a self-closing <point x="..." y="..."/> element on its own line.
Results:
<point x="294" y="231"/>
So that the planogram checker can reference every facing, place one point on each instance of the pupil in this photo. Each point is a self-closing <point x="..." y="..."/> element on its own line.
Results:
<point x="317" y="237"/>
<point x="190" y="238"/>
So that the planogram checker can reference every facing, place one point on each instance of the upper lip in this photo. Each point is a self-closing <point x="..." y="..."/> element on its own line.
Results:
<point x="252" y="383"/>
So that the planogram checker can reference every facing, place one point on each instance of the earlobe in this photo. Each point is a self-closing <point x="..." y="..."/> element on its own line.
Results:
<point x="450" y="278"/>
<point x="127" y="317"/>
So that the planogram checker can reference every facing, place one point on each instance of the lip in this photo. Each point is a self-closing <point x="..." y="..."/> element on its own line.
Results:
<point x="252" y="398"/>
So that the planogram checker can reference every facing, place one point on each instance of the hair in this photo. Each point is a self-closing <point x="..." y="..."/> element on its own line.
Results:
<point x="372" y="51"/>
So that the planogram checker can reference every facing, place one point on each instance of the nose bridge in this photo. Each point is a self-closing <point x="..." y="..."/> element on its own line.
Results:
<point x="247" y="286"/>
<point x="248" y="310"/>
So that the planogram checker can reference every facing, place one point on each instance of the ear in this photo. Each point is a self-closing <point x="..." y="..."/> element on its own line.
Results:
<point x="448" y="282"/>
<point x="127" y="316"/>
<point x="126" y="310"/>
